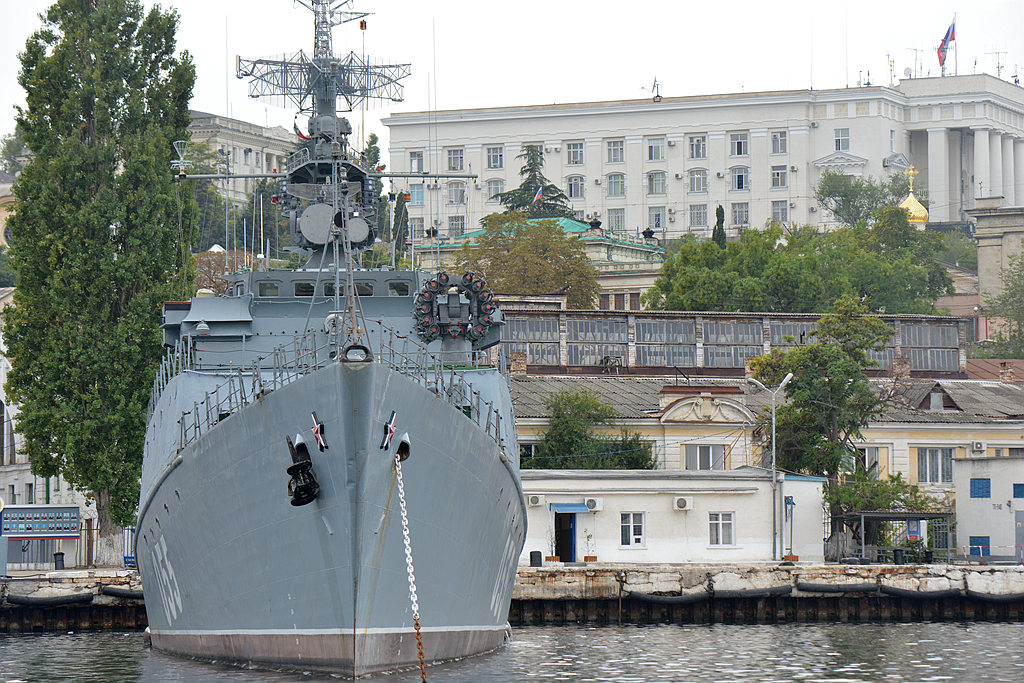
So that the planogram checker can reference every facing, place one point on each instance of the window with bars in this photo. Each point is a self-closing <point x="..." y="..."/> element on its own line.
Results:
<point x="616" y="219"/>
<point x="935" y="465"/>
<point x="981" y="488"/>
<point x="456" y="226"/>
<point x="698" y="215"/>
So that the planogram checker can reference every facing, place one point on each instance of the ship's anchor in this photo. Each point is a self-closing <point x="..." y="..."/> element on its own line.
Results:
<point x="302" y="487"/>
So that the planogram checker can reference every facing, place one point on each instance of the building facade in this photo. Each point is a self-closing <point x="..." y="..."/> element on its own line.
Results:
<point x="990" y="506"/>
<point x="667" y="164"/>
<point x="655" y="516"/>
<point x="248" y="148"/>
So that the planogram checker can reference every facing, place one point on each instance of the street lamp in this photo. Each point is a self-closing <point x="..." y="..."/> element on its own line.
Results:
<point x="775" y="514"/>
<point x="227" y="170"/>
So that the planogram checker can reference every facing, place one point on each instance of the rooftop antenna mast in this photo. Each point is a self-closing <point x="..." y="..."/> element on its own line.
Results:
<point x="999" y="62"/>
<point x="655" y="90"/>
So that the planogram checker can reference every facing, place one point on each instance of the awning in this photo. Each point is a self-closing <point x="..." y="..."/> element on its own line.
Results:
<point x="569" y="507"/>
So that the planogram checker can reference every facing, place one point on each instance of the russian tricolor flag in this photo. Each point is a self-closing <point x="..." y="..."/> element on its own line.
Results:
<point x="536" y="197"/>
<point x="946" y="40"/>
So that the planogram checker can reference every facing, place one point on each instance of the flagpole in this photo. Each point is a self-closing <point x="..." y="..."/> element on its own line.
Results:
<point x="956" y="50"/>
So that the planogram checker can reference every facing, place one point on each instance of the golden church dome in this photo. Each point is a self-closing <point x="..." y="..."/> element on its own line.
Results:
<point x="918" y="214"/>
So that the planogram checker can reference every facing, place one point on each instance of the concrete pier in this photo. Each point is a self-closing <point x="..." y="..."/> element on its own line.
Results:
<point x="72" y="600"/>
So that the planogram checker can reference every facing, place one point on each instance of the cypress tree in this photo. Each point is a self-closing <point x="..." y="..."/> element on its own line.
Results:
<point x="718" y="234"/>
<point x="100" y="236"/>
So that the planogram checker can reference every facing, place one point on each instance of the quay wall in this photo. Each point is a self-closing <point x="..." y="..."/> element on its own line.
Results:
<point x="72" y="600"/>
<point x="766" y="593"/>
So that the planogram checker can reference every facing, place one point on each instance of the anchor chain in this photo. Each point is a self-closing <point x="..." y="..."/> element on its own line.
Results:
<point x="409" y="567"/>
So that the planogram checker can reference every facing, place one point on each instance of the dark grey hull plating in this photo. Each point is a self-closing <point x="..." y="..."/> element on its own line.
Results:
<point x="232" y="571"/>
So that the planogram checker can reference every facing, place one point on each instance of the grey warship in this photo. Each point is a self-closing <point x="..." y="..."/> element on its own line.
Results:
<point x="330" y="475"/>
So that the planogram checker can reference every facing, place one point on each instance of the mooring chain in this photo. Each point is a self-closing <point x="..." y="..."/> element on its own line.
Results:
<point x="409" y="567"/>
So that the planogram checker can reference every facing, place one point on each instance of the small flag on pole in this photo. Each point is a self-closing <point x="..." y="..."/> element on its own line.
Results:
<point x="536" y="197"/>
<point x="944" y="45"/>
<point x="295" y="127"/>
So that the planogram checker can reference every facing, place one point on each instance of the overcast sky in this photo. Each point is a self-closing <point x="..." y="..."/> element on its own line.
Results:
<point x="531" y="52"/>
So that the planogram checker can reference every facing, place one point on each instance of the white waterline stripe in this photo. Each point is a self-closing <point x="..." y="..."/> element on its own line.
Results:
<point x="318" y="631"/>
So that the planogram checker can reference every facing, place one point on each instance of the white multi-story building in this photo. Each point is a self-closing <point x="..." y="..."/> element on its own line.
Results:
<point x="668" y="163"/>
<point x="250" y="148"/>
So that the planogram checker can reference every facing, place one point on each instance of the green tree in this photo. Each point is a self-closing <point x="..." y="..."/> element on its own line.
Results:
<point x="12" y="150"/>
<point x="260" y="210"/>
<point x="526" y="256"/>
<point x="571" y="441"/>
<point x="1008" y="309"/>
<point x="958" y="249"/>
<point x="97" y="242"/>
<point x="552" y="204"/>
<point x="8" y="275"/>
<point x="852" y="199"/>
<point x="718" y="234"/>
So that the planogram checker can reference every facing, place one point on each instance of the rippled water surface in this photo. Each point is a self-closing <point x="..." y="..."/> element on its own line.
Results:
<point x="808" y="653"/>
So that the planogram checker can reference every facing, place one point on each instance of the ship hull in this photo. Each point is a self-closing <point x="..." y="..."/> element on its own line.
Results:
<point x="233" y="571"/>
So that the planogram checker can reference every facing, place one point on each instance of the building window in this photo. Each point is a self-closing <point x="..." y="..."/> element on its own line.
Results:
<point x="457" y="192"/>
<point x="656" y="182"/>
<point x="700" y="457"/>
<point x="455" y="159"/>
<point x="616" y="151"/>
<point x="698" y="215"/>
<point x="1018" y="490"/>
<point x="780" y="142"/>
<point x="616" y="219"/>
<point x="579" y="216"/>
<point x="526" y="451"/>
<point x="655" y="149"/>
<point x="574" y="153"/>
<point x="698" y="180"/>
<point x="698" y="147"/>
<point x="495" y="157"/>
<point x="738" y="145"/>
<point x="779" y="176"/>
<point x="935" y="465"/>
<point x="842" y="139"/>
<point x="740" y="178"/>
<point x="780" y="211"/>
<point x="416" y="194"/>
<point x="416" y="227"/>
<point x="456" y="225"/>
<point x="12" y="497"/>
<point x="979" y="546"/>
<point x="616" y="185"/>
<point x="892" y="141"/>
<point x="656" y="217"/>
<point x="416" y="162"/>
<point x="30" y="497"/>
<point x="740" y="213"/>
<point x="721" y="528"/>
<point x="981" y="488"/>
<point x="574" y="187"/>
<point x="494" y="188"/>
<point x="867" y="457"/>
<point x="632" y="528"/>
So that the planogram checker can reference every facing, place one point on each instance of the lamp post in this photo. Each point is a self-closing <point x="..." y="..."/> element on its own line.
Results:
<point x="775" y="514"/>
<point x="227" y="170"/>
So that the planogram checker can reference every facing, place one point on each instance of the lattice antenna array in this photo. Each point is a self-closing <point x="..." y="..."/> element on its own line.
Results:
<point x="316" y="84"/>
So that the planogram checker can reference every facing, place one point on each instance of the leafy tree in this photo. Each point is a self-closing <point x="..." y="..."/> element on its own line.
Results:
<point x="852" y="200"/>
<point x="718" y="234"/>
<point x="260" y="210"/>
<point x="8" y="276"/>
<point x="552" y="204"/>
<point x="12" y="149"/>
<point x="889" y="265"/>
<point x="1008" y="308"/>
<point x="526" y="256"/>
<point x="572" y="443"/>
<point x="958" y="249"/>
<point x="97" y="242"/>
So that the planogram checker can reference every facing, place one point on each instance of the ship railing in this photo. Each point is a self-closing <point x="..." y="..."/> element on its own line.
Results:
<point x="296" y="160"/>
<point x="291" y="361"/>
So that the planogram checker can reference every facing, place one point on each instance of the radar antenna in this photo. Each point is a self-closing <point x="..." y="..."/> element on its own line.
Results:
<point x="317" y="85"/>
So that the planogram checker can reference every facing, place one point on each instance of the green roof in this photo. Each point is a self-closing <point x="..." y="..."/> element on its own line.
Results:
<point x="566" y="224"/>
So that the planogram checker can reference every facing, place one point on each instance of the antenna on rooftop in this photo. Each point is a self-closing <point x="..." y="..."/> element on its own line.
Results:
<point x="916" y="51"/>
<point x="655" y="89"/>
<point x="999" y="62"/>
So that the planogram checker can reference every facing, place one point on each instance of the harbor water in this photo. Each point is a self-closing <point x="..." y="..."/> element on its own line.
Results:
<point x="837" y="653"/>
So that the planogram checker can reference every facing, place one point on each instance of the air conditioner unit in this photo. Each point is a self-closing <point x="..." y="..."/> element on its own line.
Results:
<point x="792" y="169"/>
<point x="679" y="176"/>
<point x="977" y="445"/>
<point x="813" y="209"/>
<point x="671" y="211"/>
<point x="597" y="181"/>
<point x="597" y="214"/>
<point x="792" y="205"/>
<point x="814" y="124"/>
<point x="682" y="503"/>
<point x="671" y="143"/>
<point x="671" y="219"/>
<point x="534" y="500"/>
<point x="593" y="504"/>
<point x="719" y="174"/>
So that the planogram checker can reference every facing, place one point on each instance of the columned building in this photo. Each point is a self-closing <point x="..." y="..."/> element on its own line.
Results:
<point x="248" y="148"/>
<point x="666" y="164"/>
